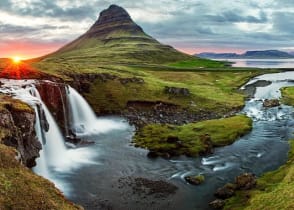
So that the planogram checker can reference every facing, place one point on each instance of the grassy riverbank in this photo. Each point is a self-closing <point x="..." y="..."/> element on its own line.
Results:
<point x="194" y="138"/>
<point x="288" y="96"/>
<point x="274" y="190"/>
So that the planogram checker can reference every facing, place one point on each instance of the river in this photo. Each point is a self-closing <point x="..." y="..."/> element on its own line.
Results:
<point x="263" y="149"/>
<point x="101" y="175"/>
<point x="262" y="63"/>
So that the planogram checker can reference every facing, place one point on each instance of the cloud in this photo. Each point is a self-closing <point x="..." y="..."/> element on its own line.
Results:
<point x="184" y="24"/>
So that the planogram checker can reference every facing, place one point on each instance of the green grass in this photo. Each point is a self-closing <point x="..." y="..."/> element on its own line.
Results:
<point x="199" y="62"/>
<point x="211" y="91"/>
<point x="20" y="188"/>
<point x="13" y="104"/>
<point x="288" y="96"/>
<point x="193" y="138"/>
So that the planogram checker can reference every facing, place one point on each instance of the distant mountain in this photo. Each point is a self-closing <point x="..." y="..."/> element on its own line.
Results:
<point x="267" y="54"/>
<point x="116" y="38"/>
<point x="217" y="55"/>
<point x="257" y="54"/>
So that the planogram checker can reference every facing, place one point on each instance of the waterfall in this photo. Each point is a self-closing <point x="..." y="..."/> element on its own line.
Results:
<point x="64" y="112"/>
<point x="55" y="157"/>
<point x="83" y="120"/>
<point x="50" y="138"/>
<point x="82" y="117"/>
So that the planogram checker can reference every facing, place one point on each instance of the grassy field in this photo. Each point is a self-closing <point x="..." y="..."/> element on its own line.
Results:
<point x="288" y="96"/>
<point x="194" y="138"/>
<point x="212" y="89"/>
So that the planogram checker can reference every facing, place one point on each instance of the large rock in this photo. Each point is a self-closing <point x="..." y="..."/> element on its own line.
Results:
<point x="271" y="103"/>
<point x="177" y="91"/>
<point x="245" y="181"/>
<point x="136" y="80"/>
<point x="226" y="191"/>
<point x="19" y="128"/>
<point x="195" y="180"/>
<point x="217" y="204"/>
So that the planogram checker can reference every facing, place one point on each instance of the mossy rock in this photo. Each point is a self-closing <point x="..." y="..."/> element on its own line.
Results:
<point x="195" y="180"/>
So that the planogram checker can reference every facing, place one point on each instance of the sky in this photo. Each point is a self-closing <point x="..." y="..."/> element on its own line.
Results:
<point x="30" y="28"/>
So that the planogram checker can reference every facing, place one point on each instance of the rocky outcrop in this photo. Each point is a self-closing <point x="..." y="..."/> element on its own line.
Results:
<point x="113" y="19"/>
<point x="226" y="191"/>
<point x="53" y="95"/>
<point x="136" y="80"/>
<point x="245" y="181"/>
<point x="82" y="82"/>
<point x="217" y="204"/>
<point x="18" y="131"/>
<point x="141" y="113"/>
<point x="268" y="103"/>
<point x="175" y="91"/>
<point x="195" y="180"/>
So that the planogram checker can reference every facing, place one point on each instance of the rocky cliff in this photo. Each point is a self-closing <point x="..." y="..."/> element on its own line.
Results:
<point x="17" y="129"/>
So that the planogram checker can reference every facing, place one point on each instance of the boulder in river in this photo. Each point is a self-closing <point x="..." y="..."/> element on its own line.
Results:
<point x="271" y="103"/>
<point x="226" y="191"/>
<point x="217" y="204"/>
<point x="245" y="181"/>
<point x="195" y="180"/>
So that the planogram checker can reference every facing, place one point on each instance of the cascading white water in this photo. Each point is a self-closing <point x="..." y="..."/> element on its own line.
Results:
<point x="84" y="120"/>
<point x="82" y="116"/>
<point x="55" y="157"/>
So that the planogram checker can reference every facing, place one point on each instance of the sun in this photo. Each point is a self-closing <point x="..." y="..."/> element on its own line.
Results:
<point x="16" y="59"/>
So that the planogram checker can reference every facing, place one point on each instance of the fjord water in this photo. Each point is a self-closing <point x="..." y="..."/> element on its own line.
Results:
<point x="91" y="175"/>
<point x="262" y="63"/>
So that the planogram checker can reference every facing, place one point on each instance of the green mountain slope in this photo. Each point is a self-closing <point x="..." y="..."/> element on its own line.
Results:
<point x="115" y="38"/>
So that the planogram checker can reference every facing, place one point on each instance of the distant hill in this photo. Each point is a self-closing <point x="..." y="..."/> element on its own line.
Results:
<point x="217" y="55"/>
<point x="258" y="54"/>
<point x="116" y="38"/>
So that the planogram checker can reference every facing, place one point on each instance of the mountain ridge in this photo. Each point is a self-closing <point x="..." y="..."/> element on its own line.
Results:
<point x="254" y="54"/>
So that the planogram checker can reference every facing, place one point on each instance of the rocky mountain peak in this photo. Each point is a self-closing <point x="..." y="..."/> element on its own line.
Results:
<point x="112" y="19"/>
<point x="114" y="13"/>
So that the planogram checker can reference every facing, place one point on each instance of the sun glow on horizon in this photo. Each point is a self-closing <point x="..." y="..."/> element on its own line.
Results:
<point x="16" y="59"/>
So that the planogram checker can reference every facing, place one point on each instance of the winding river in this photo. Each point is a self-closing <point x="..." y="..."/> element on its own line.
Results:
<point x="263" y="149"/>
<point x="96" y="176"/>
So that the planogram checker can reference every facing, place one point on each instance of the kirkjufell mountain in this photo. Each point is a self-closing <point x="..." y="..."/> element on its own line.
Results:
<point x="115" y="35"/>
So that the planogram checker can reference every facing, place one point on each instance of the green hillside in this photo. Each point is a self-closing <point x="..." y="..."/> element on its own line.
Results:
<point x="116" y="39"/>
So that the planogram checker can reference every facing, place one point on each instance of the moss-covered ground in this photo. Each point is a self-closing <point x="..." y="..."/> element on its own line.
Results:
<point x="194" y="138"/>
<point x="20" y="188"/>
<point x="15" y="105"/>
<point x="288" y="96"/>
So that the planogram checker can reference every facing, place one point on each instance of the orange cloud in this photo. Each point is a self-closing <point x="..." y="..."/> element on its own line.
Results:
<point x="26" y="49"/>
